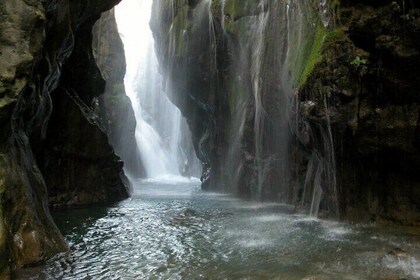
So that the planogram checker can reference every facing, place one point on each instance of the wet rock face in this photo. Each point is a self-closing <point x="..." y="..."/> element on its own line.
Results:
<point x="115" y="106"/>
<point x="192" y="71"/>
<point x="76" y="138"/>
<point x="51" y="138"/>
<point x="369" y="80"/>
<point x="27" y="231"/>
<point x="229" y="64"/>
<point x="287" y="100"/>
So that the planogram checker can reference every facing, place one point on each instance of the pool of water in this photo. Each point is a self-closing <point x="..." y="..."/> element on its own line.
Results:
<point x="176" y="231"/>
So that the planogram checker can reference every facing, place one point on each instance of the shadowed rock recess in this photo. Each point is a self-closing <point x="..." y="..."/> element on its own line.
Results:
<point x="53" y="144"/>
<point x="314" y="103"/>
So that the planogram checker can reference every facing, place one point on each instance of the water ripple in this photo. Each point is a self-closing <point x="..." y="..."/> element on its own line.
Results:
<point x="178" y="232"/>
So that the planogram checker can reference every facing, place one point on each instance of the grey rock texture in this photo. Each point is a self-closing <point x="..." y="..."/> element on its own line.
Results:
<point x="290" y="100"/>
<point x="53" y="145"/>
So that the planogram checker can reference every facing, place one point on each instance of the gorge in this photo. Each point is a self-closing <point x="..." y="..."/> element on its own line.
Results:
<point x="302" y="119"/>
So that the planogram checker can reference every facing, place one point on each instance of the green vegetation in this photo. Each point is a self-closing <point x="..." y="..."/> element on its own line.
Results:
<point x="231" y="8"/>
<point x="308" y="47"/>
<point x="360" y="65"/>
<point x="237" y="9"/>
<point x="336" y="35"/>
<point x="216" y="9"/>
<point x="315" y="55"/>
<point x="306" y="41"/>
<point x="305" y="50"/>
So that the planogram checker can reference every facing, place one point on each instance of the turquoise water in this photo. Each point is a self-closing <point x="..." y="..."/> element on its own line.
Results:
<point x="176" y="231"/>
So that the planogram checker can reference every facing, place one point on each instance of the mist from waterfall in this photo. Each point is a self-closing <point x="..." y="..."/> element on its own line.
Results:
<point x="162" y="134"/>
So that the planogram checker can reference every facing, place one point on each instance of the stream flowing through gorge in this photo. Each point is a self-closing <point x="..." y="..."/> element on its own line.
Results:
<point x="177" y="231"/>
<point x="171" y="229"/>
<point x="209" y="139"/>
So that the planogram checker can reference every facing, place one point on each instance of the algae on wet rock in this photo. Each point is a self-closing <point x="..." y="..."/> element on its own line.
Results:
<point x="261" y="73"/>
<point x="243" y="53"/>
<point x="372" y="109"/>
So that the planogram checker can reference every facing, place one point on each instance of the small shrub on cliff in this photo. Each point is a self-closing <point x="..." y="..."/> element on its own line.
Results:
<point x="360" y="65"/>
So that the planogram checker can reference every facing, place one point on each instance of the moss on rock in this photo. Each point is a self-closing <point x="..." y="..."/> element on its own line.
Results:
<point x="241" y="68"/>
<point x="314" y="55"/>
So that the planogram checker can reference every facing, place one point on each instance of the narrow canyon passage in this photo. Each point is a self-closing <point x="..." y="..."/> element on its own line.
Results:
<point x="210" y="139"/>
<point x="171" y="229"/>
<point x="162" y="134"/>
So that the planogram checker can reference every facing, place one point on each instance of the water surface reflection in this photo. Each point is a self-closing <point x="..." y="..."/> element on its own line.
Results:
<point x="176" y="231"/>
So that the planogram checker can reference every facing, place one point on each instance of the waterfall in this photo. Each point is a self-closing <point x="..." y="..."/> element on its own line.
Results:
<point x="161" y="130"/>
<point x="323" y="5"/>
<point x="239" y="70"/>
<point x="256" y="67"/>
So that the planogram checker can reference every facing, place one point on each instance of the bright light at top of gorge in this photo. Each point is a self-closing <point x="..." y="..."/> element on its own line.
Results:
<point x="133" y="18"/>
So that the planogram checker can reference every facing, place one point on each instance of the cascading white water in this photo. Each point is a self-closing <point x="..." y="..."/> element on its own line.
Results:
<point x="323" y="6"/>
<point x="256" y="67"/>
<point x="160" y="125"/>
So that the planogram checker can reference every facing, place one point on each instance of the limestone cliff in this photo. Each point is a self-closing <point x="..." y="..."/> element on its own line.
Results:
<point x="76" y="137"/>
<point x="313" y="103"/>
<point x="115" y="106"/>
<point x="235" y="67"/>
<point x="367" y="77"/>
<point x="51" y="137"/>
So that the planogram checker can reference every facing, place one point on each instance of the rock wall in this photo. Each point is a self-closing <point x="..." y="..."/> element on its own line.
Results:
<point x="76" y="137"/>
<point x="234" y="67"/>
<point x="114" y="104"/>
<point x="367" y="78"/>
<point x="52" y="143"/>
<point x="313" y="103"/>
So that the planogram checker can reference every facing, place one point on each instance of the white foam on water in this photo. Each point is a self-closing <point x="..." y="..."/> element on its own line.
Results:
<point x="409" y="265"/>
<point x="304" y="218"/>
<point x="256" y="205"/>
<point x="269" y="218"/>
<point x="254" y="243"/>
<point x="170" y="179"/>
<point x="336" y="231"/>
